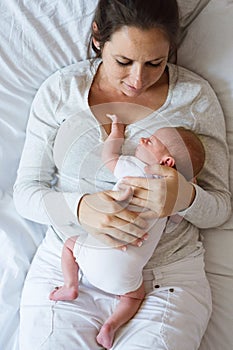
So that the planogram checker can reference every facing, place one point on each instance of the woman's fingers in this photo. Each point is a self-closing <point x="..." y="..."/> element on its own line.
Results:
<point x="122" y="195"/>
<point x="110" y="242"/>
<point x="132" y="217"/>
<point x="116" y="244"/>
<point x="100" y="214"/>
<point x="180" y="193"/>
<point x="125" y="225"/>
<point x="149" y="214"/>
<point x="165" y="194"/>
<point x="122" y="236"/>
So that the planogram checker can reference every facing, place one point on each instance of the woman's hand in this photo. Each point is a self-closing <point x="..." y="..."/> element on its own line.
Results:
<point x="163" y="196"/>
<point x="102" y="216"/>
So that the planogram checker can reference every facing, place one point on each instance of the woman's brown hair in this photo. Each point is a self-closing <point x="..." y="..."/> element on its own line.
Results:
<point x="111" y="15"/>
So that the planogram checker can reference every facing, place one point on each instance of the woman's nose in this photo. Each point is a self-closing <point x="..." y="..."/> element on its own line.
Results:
<point x="137" y="83"/>
<point x="137" y="76"/>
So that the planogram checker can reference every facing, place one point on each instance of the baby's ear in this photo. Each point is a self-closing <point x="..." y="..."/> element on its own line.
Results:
<point x="168" y="161"/>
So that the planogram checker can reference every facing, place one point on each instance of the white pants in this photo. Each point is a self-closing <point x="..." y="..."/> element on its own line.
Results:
<point x="173" y="316"/>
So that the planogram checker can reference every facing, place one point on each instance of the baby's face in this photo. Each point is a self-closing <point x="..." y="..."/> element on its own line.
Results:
<point x="151" y="150"/>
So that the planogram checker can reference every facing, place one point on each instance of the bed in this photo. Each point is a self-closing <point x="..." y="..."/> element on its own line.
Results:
<point x="37" y="38"/>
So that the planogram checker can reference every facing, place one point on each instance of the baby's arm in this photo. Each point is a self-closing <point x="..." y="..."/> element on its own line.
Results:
<point x="113" y="144"/>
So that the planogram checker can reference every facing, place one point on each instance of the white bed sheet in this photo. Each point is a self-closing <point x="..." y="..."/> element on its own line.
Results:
<point x="208" y="50"/>
<point x="37" y="38"/>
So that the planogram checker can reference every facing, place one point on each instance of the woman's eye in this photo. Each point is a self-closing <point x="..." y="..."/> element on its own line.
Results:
<point x="154" y="64"/>
<point x="123" y="63"/>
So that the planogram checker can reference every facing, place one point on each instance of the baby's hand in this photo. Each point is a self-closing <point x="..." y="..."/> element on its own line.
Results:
<point x="118" y="128"/>
<point x="113" y="118"/>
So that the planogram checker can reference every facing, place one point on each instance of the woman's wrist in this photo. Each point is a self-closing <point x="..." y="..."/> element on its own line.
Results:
<point x="193" y="195"/>
<point x="187" y="197"/>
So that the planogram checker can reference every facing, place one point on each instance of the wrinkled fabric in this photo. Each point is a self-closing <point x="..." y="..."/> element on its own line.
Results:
<point x="174" y="314"/>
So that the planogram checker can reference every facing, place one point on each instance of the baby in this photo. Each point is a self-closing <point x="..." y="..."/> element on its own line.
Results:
<point x="113" y="270"/>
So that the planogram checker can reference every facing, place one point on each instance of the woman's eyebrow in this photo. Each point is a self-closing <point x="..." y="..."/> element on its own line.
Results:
<point x="125" y="58"/>
<point x="158" y="59"/>
<point x="130" y="59"/>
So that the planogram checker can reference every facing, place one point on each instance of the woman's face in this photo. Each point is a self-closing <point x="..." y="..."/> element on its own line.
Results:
<point x="135" y="59"/>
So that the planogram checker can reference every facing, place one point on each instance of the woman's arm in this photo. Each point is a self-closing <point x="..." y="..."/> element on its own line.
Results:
<point x="35" y="196"/>
<point x="212" y="204"/>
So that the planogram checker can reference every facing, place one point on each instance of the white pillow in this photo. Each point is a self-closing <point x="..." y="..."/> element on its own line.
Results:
<point x="189" y="10"/>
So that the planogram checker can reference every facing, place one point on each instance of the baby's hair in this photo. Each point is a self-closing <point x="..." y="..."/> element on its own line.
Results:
<point x="195" y="148"/>
<point x="186" y="148"/>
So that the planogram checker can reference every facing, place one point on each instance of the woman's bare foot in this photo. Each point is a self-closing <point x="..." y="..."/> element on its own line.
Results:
<point x="64" y="293"/>
<point x="106" y="336"/>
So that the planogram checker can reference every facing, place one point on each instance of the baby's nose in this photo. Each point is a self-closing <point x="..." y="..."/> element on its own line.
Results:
<point x="142" y="140"/>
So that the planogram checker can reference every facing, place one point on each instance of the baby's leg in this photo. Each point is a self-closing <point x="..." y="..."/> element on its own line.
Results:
<point x="128" y="306"/>
<point x="69" y="291"/>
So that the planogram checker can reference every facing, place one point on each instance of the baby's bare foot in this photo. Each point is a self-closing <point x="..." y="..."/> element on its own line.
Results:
<point x="106" y="336"/>
<point x="64" y="293"/>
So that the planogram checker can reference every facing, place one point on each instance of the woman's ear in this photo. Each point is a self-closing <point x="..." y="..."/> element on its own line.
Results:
<point x="96" y="43"/>
<point x="95" y="30"/>
<point x="168" y="161"/>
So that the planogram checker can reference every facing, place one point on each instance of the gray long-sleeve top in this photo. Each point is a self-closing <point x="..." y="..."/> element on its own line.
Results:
<point x="61" y="159"/>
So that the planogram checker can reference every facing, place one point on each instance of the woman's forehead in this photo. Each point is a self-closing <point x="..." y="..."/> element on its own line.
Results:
<point x="151" y="44"/>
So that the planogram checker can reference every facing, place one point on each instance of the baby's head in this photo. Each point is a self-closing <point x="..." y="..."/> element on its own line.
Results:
<point x="174" y="147"/>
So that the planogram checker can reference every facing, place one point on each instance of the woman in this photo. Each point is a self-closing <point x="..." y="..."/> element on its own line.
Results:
<point x="63" y="183"/>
